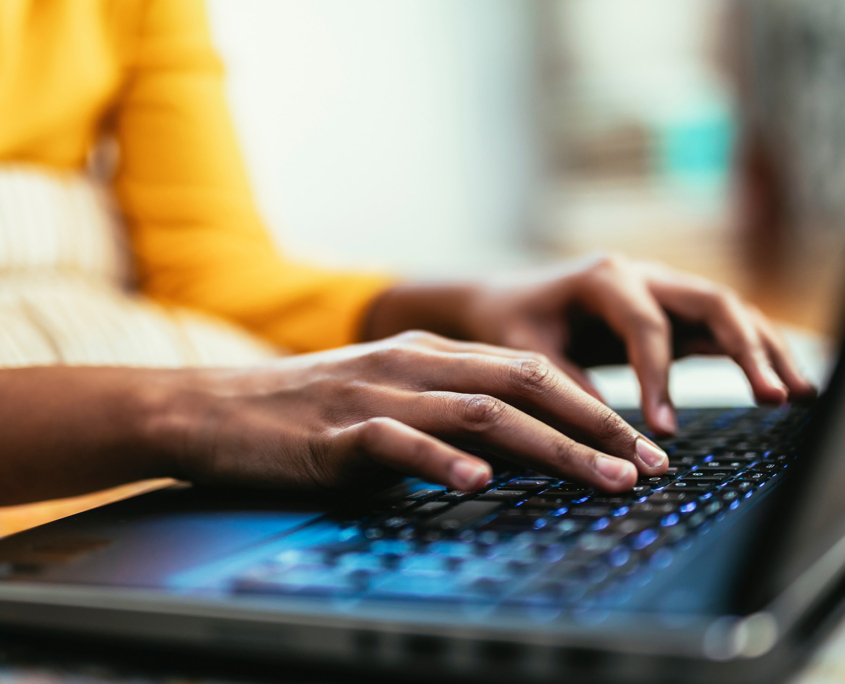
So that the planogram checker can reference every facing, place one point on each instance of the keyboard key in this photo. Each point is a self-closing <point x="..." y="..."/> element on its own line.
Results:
<point x="682" y="486"/>
<point x="731" y="466"/>
<point x="652" y="510"/>
<point x="455" y="495"/>
<point x="463" y="515"/>
<point x="767" y="467"/>
<point x="525" y="484"/>
<point x="678" y="498"/>
<point x="431" y="507"/>
<point x="682" y="461"/>
<point x="707" y="476"/>
<point x="727" y="496"/>
<point x="746" y="457"/>
<point x="399" y="507"/>
<point x="645" y="538"/>
<point x="571" y="491"/>
<point x="626" y="526"/>
<point x="424" y="494"/>
<point x="654" y="481"/>
<point x="503" y="495"/>
<point x="615" y="501"/>
<point x="589" y="511"/>
<point x="523" y="512"/>
<point x="593" y="542"/>
<point x="711" y="507"/>
<point x="549" y="502"/>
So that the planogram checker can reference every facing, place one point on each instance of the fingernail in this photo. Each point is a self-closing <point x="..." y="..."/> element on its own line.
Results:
<point x="467" y="475"/>
<point x="650" y="454"/>
<point x="613" y="468"/>
<point x="773" y="379"/>
<point x="665" y="419"/>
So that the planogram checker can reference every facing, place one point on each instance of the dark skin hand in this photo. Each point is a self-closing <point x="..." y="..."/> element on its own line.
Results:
<point x="410" y="404"/>
<point x="356" y="415"/>
<point x="605" y="310"/>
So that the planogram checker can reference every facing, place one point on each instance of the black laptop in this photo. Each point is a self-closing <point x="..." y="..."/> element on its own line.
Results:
<point x="728" y="568"/>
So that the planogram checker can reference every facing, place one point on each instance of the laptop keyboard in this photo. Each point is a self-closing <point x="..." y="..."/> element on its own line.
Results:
<point x="533" y="539"/>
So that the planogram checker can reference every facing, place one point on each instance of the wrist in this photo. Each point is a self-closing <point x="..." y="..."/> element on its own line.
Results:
<point x="440" y="308"/>
<point x="166" y="419"/>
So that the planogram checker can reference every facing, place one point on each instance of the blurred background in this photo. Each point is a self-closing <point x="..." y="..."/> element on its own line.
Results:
<point x="432" y="137"/>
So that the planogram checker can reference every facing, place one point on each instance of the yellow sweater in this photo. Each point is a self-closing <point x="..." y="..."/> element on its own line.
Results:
<point x="145" y="72"/>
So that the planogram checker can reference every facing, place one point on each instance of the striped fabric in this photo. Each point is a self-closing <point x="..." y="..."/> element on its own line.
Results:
<point x="66" y="294"/>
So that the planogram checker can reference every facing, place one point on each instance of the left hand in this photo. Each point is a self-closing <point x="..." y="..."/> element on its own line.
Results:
<point x="608" y="310"/>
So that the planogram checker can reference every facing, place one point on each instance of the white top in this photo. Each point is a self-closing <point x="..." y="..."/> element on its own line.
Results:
<point x="66" y="287"/>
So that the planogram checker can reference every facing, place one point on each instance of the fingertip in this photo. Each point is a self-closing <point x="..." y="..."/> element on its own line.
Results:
<point x="772" y="393"/>
<point x="664" y="421"/>
<point x="810" y="391"/>
<point x="803" y="389"/>
<point x="652" y="456"/>
<point x="767" y="386"/>
<point x="469" y="475"/>
<point x="617" y="475"/>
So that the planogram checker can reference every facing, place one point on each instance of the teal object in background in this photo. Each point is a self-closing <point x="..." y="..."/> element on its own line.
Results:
<point x="696" y="152"/>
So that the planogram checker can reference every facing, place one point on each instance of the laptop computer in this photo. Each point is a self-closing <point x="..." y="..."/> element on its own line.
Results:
<point x="730" y="566"/>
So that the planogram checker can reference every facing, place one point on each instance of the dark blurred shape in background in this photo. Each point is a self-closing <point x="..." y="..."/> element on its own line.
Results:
<point x="706" y="134"/>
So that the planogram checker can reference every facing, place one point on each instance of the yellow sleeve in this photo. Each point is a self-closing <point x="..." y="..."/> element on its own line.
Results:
<point x="194" y="227"/>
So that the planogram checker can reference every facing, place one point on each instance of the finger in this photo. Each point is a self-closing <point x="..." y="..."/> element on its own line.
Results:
<point x="547" y="352"/>
<point x="578" y="375"/>
<point x="783" y="360"/>
<point x="528" y="383"/>
<point x="732" y="326"/>
<point x="489" y="422"/>
<point x="532" y="349"/>
<point x="411" y="452"/>
<point x="621" y="297"/>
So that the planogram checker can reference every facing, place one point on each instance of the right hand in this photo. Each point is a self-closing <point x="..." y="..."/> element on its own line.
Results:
<point x="399" y="405"/>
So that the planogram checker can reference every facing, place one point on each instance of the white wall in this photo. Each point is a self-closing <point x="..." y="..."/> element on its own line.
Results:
<point x="391" y="133"/>
<point x="649" y="58"/>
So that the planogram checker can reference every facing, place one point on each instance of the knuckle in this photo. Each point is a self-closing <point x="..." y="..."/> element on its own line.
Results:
<point x="610" y="425"/>
<point x="611" y="261"/>
<point x="562" y="455"/>
<point x="419" y="452"/>
<point x="371" y="432"/>
<point x="480" y="411"/>
<point x="724" y="300"/>
<point x="417" y="337"/>
<point x="391" y="358"/>
<point x="338" y="401"/>
<point x="535" y="356"/>
<point x="532" y="375"/>
<point x="650" y="322"/>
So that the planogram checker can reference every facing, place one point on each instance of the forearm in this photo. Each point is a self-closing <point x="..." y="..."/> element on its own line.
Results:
<point x="67" y="431"/>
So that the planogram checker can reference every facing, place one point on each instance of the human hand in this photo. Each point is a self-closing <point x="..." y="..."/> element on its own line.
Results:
<point x="403" y="404"/>
<point x="609" y="310"/>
